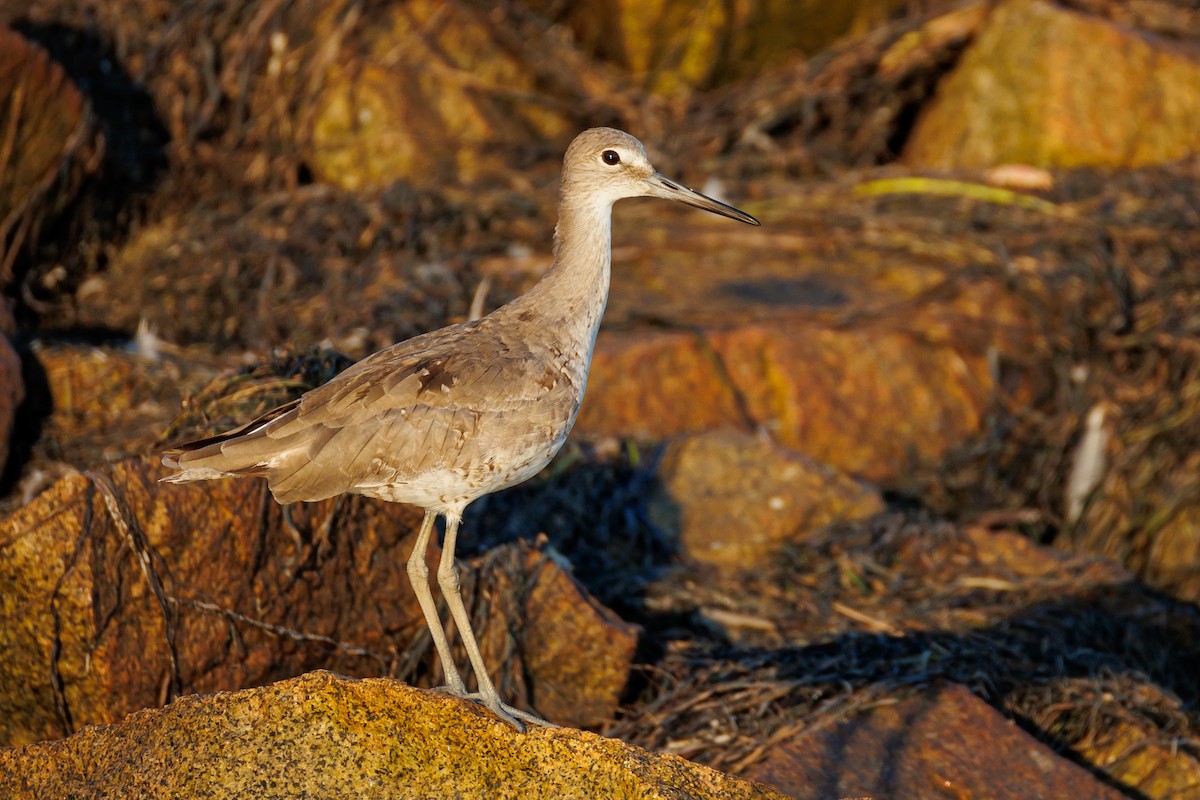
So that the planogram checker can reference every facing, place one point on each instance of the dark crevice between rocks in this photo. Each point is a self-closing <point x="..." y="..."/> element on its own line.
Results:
<point x="135" y="160"/>
<point x="27" y="426"/>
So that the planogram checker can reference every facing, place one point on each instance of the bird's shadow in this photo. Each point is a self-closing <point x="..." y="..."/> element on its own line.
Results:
<point x="595" y="513"/>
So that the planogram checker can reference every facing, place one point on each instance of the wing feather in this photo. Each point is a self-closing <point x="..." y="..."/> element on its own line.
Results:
<point x="414" y="406"/>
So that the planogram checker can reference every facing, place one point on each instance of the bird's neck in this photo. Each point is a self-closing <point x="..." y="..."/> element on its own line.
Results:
<point x="572" y="295"/>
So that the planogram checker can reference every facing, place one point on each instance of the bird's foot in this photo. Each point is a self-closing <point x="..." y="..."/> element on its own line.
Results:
<point x="513" y="716"/>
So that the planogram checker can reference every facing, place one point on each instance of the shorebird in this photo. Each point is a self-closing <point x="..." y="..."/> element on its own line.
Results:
<point x="449" y="416"/>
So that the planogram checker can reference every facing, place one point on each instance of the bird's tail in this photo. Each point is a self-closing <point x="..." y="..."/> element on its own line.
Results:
<point x="246" y="450"/>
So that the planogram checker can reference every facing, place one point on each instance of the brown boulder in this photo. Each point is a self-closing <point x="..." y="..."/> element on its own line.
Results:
<point x="429" y="93"/>
<point x="733" y="498"/>
<point x="122" y="593"/>
<point x="672" y="46"/>
<point x="323" y="736"/>
<point x="1153" y="766"/>
<point x="107" y="403"/>
<point x="1047" y="86"/>
<point x="942" y="741"/>
<point x="818" y="391"/>
<point x="574" y="654"/>
<point x="49" y="143"/>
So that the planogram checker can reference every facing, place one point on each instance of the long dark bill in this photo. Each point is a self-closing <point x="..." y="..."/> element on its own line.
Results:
<point x="664" y="187"/>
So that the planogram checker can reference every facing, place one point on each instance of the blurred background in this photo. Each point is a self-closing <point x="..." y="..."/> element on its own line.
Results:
<point x="934" y="425"/>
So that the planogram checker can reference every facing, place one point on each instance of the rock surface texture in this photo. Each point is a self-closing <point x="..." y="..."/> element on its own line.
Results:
<point x="940" y="742"/>
<point x="322" y="736"/>
<point x="733" y="498"/>
<point x="1047" y="86"/>
<point x="119" y="595"/>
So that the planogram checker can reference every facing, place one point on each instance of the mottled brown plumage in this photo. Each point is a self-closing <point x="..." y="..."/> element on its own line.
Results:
<point x="444" y="418"/>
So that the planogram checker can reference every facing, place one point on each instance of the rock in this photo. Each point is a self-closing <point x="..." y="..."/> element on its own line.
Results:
<point x="915" y="48"/>
<point x="574" y="656"/>
<point x="87" y="640"/>
<point x="1047" y="86"/>
<point x="942" y="741"/>
<point x="108" y="403"/>
<point x="50" y="143"/>
<point x="12" y="383"/>
<point x="324" y="736"/>
<point x="816" y="388"/>
<point x="732" y="498"/>
<point x="1142" y="760"/>
<point x="672" y="47"/>
<point x="121" y="593"/>
<point x="432" y="94"/>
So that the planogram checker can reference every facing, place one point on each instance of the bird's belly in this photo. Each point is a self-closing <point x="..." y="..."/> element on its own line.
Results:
<point x="485" y="467"/>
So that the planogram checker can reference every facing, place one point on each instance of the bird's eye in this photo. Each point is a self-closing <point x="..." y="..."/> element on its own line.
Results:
<point x="611" y="157"/>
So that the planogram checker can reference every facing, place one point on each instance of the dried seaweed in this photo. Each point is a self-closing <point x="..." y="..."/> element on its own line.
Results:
<point x="236" y="396"/>
<point x="1117" y="331"/>
<point x="1068" y="654"/>
<point x="290" y="267"/>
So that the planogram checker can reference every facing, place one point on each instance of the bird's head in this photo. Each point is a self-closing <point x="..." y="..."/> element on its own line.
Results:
<point x="604" y="165"/>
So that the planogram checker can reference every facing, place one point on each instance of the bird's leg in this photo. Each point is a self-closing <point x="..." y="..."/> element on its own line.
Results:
<point x="418" y="575"/>
<point x="289" y="525"/>
<point x="448" y="579"/>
